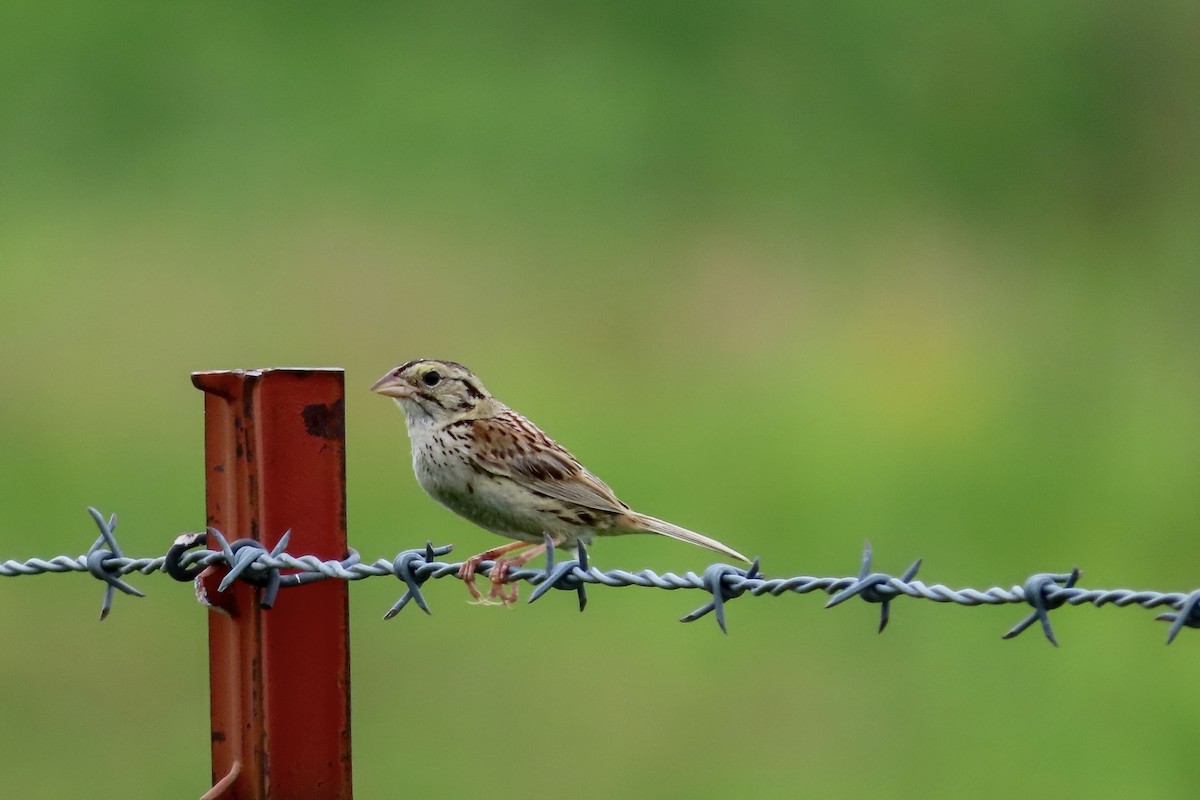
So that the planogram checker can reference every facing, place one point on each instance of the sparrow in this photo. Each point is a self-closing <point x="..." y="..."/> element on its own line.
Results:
<point x="489" y="464"/>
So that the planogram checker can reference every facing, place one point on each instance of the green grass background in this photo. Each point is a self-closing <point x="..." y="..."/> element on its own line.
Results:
<point x="791" y="274"/>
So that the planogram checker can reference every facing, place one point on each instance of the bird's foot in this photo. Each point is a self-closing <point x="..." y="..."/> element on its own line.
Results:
<point x="467" y="573"/>
<point x="499" y="575"/>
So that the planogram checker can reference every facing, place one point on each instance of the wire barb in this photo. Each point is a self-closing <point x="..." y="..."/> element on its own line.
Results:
<point x="1188" y="614"/>
<point x="874" y="587"/>
<point x="98" y="560"/>
<point x="725" y="582"/>
<point x="408" y="568"/>
<point x="1041" y="592"/>
<point x="243" y="554"/>
<point x="562" y="575"/>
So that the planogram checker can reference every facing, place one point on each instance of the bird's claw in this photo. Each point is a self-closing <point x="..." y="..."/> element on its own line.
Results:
<point x="499" y="572"/>
<point x="466" y="574"/>
<point x="498" y="575"/>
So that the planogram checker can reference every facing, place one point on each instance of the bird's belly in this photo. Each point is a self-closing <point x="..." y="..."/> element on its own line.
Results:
<point x="492" y="502"/>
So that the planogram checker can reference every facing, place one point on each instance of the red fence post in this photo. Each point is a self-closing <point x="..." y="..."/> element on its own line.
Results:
<point x="274" y="453"/>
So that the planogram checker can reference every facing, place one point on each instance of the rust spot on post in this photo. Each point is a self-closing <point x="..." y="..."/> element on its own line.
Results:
<point x="326" y="421"/>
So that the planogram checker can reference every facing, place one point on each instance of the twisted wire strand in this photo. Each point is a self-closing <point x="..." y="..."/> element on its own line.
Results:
<point x="1043" y="591"/>
<point x="800" y="584"/>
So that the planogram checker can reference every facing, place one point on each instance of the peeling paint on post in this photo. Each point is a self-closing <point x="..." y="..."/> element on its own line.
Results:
<point x="275" y="449"/>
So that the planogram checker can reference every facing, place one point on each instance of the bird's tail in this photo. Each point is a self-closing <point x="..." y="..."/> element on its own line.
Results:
<point x="654" y="525"/>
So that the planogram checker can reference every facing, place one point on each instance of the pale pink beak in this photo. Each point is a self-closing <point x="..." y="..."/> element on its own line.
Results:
<point x="391" y="386"/>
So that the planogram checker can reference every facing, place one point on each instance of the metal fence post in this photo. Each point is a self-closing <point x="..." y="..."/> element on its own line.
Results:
<point x="274" y="452"/>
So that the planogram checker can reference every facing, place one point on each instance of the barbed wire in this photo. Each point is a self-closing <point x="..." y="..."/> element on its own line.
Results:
<point x="249" y="561"/>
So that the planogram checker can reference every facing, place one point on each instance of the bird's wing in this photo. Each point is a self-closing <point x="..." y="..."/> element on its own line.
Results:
<point x="512" y="446"/>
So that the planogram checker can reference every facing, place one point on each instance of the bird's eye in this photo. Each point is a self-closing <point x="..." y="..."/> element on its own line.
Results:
<point x="431" y="378"/>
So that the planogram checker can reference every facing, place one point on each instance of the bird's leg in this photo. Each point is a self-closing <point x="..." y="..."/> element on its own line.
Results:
<point x="467" y="571"/>
<point x="502" y="567"/>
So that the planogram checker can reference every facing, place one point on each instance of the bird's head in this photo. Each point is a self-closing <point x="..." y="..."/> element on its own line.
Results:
<point x="431" y="390"/>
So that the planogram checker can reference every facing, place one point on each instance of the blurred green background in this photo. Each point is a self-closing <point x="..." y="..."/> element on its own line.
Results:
<point x="794" y="275"/>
